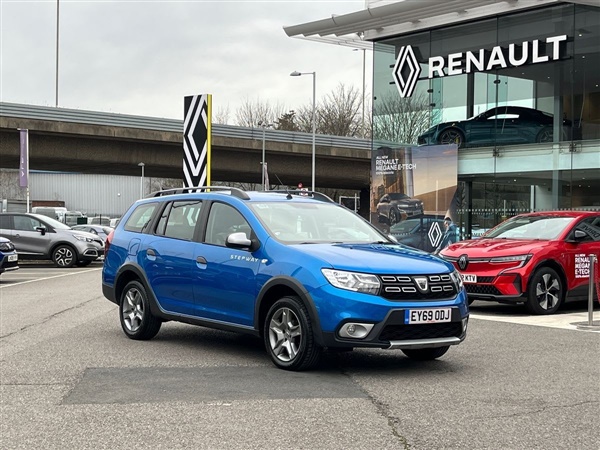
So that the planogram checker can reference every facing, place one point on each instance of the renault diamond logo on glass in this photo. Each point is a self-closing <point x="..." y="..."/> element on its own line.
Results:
<point x="421" y="283"/>
<point x="463" y="262"/>
<point x="406" y="71"/>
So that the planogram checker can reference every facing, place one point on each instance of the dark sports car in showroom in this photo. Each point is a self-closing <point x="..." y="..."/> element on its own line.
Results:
<point x="540" y="259"/>
<point x="395" y="207"/>
<point x="506" y="125"/>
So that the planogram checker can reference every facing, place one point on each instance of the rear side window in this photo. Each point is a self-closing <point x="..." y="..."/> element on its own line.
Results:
<point x="5" y="222"/>
<point x="140" y="218"/>
<point x="179" y="219"/>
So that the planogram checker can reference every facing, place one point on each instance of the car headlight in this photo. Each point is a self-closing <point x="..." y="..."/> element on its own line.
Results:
<point x="458" y="281"/>
<point x="353" y="281"/>
<point x="521" y="259"/>
<point x="80" y="237"/>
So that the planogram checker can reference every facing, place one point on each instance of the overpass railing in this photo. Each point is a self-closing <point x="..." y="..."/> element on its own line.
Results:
<point x="37" y="112"/>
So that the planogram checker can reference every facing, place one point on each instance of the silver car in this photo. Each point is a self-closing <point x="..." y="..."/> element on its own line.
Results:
<point x="39" y="237"/>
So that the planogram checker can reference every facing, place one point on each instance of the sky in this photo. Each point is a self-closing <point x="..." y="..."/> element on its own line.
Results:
<point x="144" y="57"/>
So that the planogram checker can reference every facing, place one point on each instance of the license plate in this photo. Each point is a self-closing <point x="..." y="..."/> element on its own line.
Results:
<point x="469" y="277"/>
<point x="436" y="315"/>
<point x="12" y="258"/>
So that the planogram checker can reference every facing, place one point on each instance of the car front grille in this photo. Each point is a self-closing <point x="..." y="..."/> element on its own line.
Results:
<point x="407" y="287"/>
<point x="424" y="331"/>
<point x="483" y="289"/>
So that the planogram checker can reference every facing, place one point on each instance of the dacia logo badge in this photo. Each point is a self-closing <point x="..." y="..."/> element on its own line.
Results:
<point x="422" y="284"/>
<point x="463" y="262"/>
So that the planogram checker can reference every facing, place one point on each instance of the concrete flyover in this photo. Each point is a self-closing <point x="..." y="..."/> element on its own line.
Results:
<point x="105" y="143"/>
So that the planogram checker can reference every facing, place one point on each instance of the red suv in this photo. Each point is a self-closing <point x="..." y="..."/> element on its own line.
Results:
<point x="541" y="259"/>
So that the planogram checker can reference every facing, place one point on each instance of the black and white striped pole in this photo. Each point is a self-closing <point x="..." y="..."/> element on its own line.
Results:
<point x="197" y="140"/>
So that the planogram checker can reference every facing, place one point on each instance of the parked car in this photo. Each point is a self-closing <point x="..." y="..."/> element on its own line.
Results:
<point x="540" y="259"/>
<point x="114" y="222"/>
<point x="101" y="231"/>
<point x="71" y="218"/>
<point x="300" y="271"/>
<point x="99" y="220"/>
<point x="9" y="259"/>
<point x="504" y="125"/>
<point x="40" y="237"/>
<point x="395" y="207"/>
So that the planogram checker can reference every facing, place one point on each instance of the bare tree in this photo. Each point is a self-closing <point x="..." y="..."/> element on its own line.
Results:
<point x="221" y="116"/>
<point x="337" y="114"/>
<point x="255" y="113"/>
<point x="402" y="120"/>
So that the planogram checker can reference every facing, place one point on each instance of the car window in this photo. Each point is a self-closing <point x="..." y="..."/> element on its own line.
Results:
<point x="140" y="218"/>
<point x="504" y="117"/>
<point x="531" y="227"/>
<point x="298" y="222"/>
<point x="5" y="222"/>
<point x="24" y="223"/>
<point x="179" y="220"/>
<point x="222" y="221"/>
<point x="591" y="227"/>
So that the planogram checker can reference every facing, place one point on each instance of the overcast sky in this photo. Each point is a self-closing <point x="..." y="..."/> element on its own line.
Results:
<point x="143" y="57"/>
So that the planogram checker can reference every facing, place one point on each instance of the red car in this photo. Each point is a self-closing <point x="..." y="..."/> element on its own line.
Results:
<point x="541" y="259"/>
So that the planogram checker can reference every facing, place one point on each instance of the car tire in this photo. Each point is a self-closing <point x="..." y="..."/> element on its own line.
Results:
<point x="288" y="335"/>
<point x="64" y="256"/>
<point x="452" y="136"/>
<point x="425" y="354"/>
<point x="137" y="320"/>
<point x="545" y="292"/>
<point x="546" y="135"/>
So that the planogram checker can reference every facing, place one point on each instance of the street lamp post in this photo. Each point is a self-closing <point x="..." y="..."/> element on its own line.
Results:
<point x="263" y="125"/>
<point x="314" y="118"/>
<point x="142" y="180"/>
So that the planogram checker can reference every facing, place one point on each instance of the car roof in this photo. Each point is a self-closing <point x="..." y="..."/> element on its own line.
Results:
<point x="566" y="213"/>
<point x="223" y="192"/>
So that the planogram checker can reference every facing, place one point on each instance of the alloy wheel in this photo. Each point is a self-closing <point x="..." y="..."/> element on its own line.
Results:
<point x="63" y="257"/>
<point x="451" y="137"/>
<point x="285" y="334"/>
<point x="133" y="310"/>
<point x="547" y="291"/>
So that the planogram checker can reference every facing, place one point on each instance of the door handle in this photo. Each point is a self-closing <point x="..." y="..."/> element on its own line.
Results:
<point x="151" y="254"/>
<point x="201" y="260"/>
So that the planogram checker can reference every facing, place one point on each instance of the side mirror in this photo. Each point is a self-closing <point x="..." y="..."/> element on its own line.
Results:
<point x="578" y="235"/>
<point x="42" y="230"/>
<point x="238" y="240"/>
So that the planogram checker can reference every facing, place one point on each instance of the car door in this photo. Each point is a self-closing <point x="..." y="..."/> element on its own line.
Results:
<point x="577" y="252"/>
<point x="225" y="285"/>
<point x="26" y="237"/>
<point x="169" y="256"/>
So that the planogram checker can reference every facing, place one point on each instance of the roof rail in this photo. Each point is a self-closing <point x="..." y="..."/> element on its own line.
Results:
<point x="313" y="194"/>
<point x="236" y="192"/>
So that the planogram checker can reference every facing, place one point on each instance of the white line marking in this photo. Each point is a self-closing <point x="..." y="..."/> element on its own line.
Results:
<point x="49" y="278"/>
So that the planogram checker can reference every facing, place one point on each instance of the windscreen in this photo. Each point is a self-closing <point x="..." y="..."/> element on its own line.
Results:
<point x="534" y="227"/>
<point x="307" y="223"/>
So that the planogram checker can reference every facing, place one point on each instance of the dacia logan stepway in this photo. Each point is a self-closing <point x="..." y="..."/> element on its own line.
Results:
<point x="300" y="271"/>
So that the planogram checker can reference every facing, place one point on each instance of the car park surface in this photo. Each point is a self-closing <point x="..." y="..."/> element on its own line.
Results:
<point x="540" y="259"/>
<point x="218" y="391"/>
<point x="39" y="237"/>
<point x="309" y="274"/>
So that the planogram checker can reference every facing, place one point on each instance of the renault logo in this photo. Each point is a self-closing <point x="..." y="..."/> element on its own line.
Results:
<point x="406" y="71"/>
<point x="463" y="262"/>
<point x="421" y="283"/>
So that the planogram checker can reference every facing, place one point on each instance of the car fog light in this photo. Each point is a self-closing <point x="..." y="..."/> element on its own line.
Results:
<point x="355" y="330"/>
<point x="465" y="322"/>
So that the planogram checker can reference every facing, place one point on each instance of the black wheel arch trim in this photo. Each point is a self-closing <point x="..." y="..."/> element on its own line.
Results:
<point x="554" y="265"/>
<point x="301" y="292"/>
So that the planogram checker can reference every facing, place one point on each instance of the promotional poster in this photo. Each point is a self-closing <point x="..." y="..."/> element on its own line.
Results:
<point x="413" y="194"/>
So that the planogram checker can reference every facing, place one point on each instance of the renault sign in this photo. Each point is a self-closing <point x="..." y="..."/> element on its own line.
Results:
<point x="407" y="69"/>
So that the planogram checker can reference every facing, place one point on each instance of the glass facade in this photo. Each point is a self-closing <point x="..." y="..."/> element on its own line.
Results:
<point x="519" y="94"/>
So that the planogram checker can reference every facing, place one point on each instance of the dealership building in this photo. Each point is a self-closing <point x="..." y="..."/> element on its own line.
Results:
<point x="514" y="84"/>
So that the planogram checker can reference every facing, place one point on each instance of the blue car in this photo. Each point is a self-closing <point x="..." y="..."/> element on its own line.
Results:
<point x="294" y="268"/>
<point x="9" y="260"/>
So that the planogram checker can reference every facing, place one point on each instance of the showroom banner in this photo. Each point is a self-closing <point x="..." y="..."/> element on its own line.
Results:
<point x="412" y="190"/>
